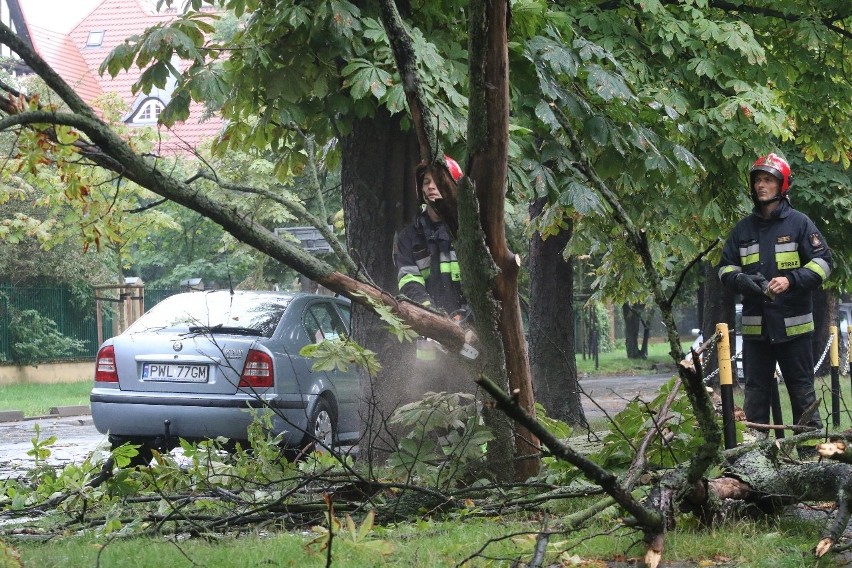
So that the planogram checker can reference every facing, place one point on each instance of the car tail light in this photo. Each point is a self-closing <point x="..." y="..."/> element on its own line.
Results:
<point x="258" y="371"/>
<point x="105" y="366"/>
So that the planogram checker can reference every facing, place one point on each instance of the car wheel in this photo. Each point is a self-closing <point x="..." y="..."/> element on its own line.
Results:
<point x="321" y="426"/>
<point x="321" y="432"/>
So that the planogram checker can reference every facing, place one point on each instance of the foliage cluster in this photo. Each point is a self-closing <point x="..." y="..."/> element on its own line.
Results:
<point x="35" y="338"/>
<point x="445" y="440"/>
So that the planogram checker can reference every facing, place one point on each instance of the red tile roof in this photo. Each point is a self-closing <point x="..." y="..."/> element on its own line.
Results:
<point x="78" y="64"/>
<point x="59" y="52"/>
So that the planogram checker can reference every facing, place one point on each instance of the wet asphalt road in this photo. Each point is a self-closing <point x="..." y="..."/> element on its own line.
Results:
<point x="611" y="394"/>
<point x="76" y="436"/>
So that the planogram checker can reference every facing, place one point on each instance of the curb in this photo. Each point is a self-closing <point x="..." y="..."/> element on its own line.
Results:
<point x="11" y="415"/>
<point x="54" y="412"/>
<point x="63" y="411"/>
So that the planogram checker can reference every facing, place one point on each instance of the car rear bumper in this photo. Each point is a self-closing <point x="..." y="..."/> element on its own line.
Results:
<point x="193" y="417"/>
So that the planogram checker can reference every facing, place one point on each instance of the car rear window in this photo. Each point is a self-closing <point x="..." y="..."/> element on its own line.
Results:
<point x="217" y="309"/>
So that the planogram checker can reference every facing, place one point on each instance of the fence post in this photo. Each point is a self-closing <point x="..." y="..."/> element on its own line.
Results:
<point x="726" y="385"/>
<point x="835" y="376"/>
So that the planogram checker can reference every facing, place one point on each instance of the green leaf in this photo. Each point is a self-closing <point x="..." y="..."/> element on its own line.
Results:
<point x="154" y="76"/>
<point x="556" y="57"/>
<point x="596" y="128"/>
<point x="177" y="109"/>
<point x="395" y="99"/>
<point x="731" y="149"/>
<point x="119" y="59"/>
<point x="545" y="114"/>
<point x="705" y="67"/>
<point x="607" y="85"/>
<point x="580" y="197"/>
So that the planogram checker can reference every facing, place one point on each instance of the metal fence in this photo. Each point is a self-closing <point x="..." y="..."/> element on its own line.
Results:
<point x="74" y="317"/>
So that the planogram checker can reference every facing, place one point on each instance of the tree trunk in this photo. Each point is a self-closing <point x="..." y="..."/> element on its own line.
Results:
<point x="762" y="480"/>
<point x="551" y="329"/>
<point x="378" y="199"/>
<point x="488" y="149"/>
<point x="633" y="323"/>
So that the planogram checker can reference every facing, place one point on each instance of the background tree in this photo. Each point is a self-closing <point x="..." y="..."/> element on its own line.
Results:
<point x="551" y="339"/>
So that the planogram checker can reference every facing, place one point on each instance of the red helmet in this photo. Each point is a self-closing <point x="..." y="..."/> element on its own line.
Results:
<point x="775" y="165"/>
<point x="453" y="166"/>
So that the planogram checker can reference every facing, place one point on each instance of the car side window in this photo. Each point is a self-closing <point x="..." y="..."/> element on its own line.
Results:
<point x="322" y="322"/>
<point x="313" y="328"/>
<point x="346" y="314"/>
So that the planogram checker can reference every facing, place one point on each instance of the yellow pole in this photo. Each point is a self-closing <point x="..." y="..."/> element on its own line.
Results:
<point x="834" y="351"/>
<point x="723" y="349"/>
<point x="848" y="345"/>
<point x="726" y="385"/>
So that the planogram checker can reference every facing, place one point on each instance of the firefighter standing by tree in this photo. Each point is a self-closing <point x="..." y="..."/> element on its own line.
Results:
<point x="423" y="253"/>
<point x="775" y="258"/>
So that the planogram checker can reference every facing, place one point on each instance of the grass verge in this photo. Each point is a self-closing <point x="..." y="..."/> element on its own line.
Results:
<point x="615" y="362"/>
<point x="38" y="399"/>
<point x="505" y="541"/>
<point x="462" y="539"/>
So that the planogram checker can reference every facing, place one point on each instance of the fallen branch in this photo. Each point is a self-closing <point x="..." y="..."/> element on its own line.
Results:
<point x="791" y="427"/>
<point x="648" y="519"/>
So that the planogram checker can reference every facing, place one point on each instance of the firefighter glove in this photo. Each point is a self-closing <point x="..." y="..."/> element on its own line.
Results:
<point x="750" y="284"/>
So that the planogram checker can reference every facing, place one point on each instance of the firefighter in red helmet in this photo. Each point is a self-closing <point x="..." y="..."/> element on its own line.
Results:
<point x="428" y="271"/>
<point x="427" y="268"/>
<point x="776" y="258"/>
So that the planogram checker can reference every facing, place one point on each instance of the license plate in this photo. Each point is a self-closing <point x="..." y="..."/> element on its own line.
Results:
<point x="175" y="372"/>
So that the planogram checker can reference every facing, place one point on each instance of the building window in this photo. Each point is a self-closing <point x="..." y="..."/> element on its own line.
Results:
<point x="95" y="39"/>
<point x="149" y="111"/>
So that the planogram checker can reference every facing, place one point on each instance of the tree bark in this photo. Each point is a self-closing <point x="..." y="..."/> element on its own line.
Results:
<point x="551" y="330"/>
<point x="759" y="479"/>
<point x="378" y="162"/>
<point x="633" y="323"/>
<point x="488" y="146"/>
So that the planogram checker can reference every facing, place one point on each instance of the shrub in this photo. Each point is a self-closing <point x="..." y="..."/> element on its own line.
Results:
<point x="35" y="337"/>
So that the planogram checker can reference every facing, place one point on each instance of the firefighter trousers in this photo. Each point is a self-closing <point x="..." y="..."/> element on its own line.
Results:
<point x="796" y="360"/>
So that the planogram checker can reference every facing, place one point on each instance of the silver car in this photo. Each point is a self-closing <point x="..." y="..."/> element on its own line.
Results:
<point x="202" y="364"/>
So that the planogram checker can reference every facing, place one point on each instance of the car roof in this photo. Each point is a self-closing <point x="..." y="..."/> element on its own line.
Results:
<point x="272" y="293"/>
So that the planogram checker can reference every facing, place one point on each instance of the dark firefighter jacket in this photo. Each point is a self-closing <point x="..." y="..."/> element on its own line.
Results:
<point x="787" y="244"/>
<point x="427" y="268"/>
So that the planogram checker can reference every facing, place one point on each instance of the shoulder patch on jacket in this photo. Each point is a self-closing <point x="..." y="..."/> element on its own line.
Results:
<point x="816" y="242"/>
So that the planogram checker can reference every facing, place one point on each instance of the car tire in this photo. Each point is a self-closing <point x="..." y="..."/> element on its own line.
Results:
<point x="322" y="427"/>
